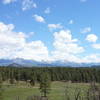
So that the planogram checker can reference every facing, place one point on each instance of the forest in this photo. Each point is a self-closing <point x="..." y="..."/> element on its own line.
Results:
<point x="44" y="83"/>
<point x="56" y="74"/>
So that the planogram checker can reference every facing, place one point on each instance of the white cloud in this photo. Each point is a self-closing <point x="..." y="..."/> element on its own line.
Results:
<point x="8" y="1"/>
<point x="96" y="46"/>
<point x="65" y="57"/>
<point x="28" y="4"/>
<point x="86" y="30"/>
<point x="83" y="1"/>
<point x="39" y="18"/>
<point x="64" y="36"/>
<point x="54" y="26"/>
<point x="71" y="21"/>
<point x="47" y="11"/>
<point x="31" y="34"/>
<point x="66" y="48"/>
<point x="5" y="28"/>
<point x="15" y="45"/>
<point x="35" y="50"/>
<point x="92" y="58"/>
<point x="91" y="38"/>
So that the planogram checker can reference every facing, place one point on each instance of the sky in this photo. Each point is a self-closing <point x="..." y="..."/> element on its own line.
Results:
<point x="50" y="30"/>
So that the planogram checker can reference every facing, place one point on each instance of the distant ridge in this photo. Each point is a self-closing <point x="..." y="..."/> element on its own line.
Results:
<point x="18" y="62"/>
<point x="14" y="65"/>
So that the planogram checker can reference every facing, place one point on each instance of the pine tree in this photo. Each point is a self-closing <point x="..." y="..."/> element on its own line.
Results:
<point x="1" y="97"/>
<point x="45" y="84"/>
<point x="12" y="77"/>
<point x="33" y="79"/>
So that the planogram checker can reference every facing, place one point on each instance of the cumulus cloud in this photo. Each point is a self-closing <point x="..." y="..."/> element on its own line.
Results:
<point x="47" y="11"/>
<point x="28" y="4"/>
<point x="54" y="26"/>
<point x="71" y="21"/>
<point x="8" y="1"/>
<point x="39" y="18"/>
<point x="91" y="38"/>
<point x="35" y="50"/>
<point x="92" y="58"/>
<point x="65" y="36"/>
<point x="83" y="1"/>
<point x="14" y="45"/>
<point x="96" y="46"/>
<point x="66" y="48"/>
<point x="86" y="30"/>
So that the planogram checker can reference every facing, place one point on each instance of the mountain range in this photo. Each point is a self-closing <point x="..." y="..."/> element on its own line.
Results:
<point x="18" y="62"/>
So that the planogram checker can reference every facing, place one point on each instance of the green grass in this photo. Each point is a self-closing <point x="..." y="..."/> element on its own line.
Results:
<point x="57" y="90"/>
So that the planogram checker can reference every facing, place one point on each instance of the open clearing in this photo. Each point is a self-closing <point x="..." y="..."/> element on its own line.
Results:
<point x="57" y="91"/>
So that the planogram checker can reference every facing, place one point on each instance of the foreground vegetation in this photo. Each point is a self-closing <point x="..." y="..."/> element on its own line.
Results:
<point x="49" y="83"/>
<point x="58" y="90"/>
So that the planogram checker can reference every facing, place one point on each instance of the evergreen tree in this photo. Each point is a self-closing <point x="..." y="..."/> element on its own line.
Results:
<point x="45" y="84"/>
<point x="12" y="77"/>
<point x="1" y="97"/>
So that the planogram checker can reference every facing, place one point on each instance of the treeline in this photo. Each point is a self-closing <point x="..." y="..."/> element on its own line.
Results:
<point x="56" y="74"/>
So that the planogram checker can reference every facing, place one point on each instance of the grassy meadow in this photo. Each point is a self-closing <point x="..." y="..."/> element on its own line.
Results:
<point x="57" y="92"/>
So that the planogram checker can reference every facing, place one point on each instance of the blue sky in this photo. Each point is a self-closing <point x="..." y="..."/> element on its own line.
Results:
<point x="50" y="30"/>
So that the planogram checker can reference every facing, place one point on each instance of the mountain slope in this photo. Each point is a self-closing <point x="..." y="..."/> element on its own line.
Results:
<point x="29" y="63"/>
